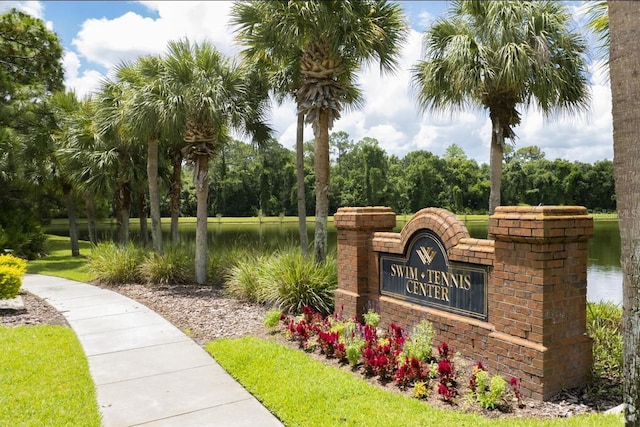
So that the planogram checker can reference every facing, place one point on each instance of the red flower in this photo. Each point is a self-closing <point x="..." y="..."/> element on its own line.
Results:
<point x="442" y="389"/>
<point x="444" y="368"/>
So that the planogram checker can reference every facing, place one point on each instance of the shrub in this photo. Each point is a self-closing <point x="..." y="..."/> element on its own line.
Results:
<point x="173" y="267"/>
<point x="223" y="259"/>
<point x="13" y="261"/>
<point x="419" y="344"/>
<point x="489" y="390"/>
<point x="272" y="318"/>
<point x="10" y="281"/>
<point x="12" y="269"/>
<point x="604" y="326"/>
<point x="113" y="264"/>
<point x="371" y="318"/>
<point x="290" y="281"/>
<point x="34" y="247"/>
<point x="242" y="278"/>
<point x="28" y="245"/>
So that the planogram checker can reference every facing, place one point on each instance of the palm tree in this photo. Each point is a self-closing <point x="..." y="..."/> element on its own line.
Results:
<point x="207" y="97"/>
<point x="501" y="56"/>
<point x="143" y="104"/>
<point x="65" y="106"/>
<point x="76" y="140"/>
<point x="625" y="91"/>
<point x="598" y="23"/>
<point x="285" y="82"/>
<point x="324" y="44"/>
<point x="116" y="150"/>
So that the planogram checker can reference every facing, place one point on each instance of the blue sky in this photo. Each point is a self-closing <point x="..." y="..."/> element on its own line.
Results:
<point x="97" y="35"/>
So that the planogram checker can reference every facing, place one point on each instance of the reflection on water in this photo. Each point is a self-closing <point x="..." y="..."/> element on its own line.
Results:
<point x="604" y="284"/>
<point x="604" y="277"/>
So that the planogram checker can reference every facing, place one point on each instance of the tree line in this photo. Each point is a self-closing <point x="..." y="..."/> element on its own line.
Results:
<point x="251" y="181"/>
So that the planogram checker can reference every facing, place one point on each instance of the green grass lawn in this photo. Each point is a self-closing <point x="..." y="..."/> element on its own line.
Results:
<point x="59" y="262"/>
<point x="304" y="392"/>
<point x="44" y="379"/>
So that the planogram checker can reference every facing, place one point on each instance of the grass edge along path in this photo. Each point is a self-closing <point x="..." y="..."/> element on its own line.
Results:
<point x="45" y="379"/>
<point x="303" y="392"/>
<point x="59" y="262"/>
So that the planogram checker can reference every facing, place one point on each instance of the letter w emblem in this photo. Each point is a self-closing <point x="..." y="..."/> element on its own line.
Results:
<point x="426" y="254"/>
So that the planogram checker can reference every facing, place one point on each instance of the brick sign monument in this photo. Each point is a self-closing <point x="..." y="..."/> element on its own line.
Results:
<point x="516" y="301"/>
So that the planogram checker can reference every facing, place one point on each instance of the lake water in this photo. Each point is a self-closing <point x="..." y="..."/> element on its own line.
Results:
<point x="604" y="277"/>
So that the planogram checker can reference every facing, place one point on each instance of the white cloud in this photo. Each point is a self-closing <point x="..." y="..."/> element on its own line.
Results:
<point x="83" y="84"/>
<point x="107" y="42"/>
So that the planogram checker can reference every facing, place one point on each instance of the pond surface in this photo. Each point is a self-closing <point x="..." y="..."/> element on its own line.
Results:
<point x="604" y="277"/>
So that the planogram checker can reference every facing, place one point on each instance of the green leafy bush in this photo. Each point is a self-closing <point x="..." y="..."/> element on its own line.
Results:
<point x="272" y="318"/>
<point x="14" y="261"/>
<point x="604" y="326"/>
<point x="223" y="259"/>
<point x="371" y="318"/>
<point x="419" y="345"/>
<point x="12" y="269"/>
<point x="10" y="281"/>
<point x="30" y="245"/>
<point x="489" y="390"/>
<point x="175" y="266"/>
<point x="290" y="281"/>
<point x="113" y="264"/>
<point x="242" y="278"/>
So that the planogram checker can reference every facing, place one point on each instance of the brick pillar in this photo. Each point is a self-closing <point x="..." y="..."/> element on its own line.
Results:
<point x="539" y="291"/>
<point x="355" y="227"/>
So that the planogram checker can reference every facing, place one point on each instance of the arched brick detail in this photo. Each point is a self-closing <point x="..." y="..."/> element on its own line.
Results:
<point x="444" y="223"/>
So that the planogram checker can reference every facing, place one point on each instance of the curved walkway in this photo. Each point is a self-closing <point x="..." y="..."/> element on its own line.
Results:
<point x="146" y="371"/>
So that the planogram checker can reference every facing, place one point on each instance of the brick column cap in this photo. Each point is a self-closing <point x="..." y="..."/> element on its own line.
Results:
<point x="380" y="218"/>
<point x="541" y="224"/>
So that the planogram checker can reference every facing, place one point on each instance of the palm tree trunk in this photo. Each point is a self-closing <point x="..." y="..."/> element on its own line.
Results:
<point x="624" y="64"/>
<point x="201" y="178"/>
<point x="73" y="220"/>
<point x="154" y="196"/>
<point x="91" y="218"/>
<point x="123" y="210"/>
<point x="142" y="214"/>
<point x="302" y="207"/>
<point x="495" y="164"/>
<point x="321" y="166"/>
<point x="176" y="188"/>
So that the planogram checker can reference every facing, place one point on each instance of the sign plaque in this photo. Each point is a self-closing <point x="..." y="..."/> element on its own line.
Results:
<point x="425" y="276"/>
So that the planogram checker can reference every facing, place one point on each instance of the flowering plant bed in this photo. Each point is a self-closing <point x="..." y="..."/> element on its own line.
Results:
<point x="406" y="362"/>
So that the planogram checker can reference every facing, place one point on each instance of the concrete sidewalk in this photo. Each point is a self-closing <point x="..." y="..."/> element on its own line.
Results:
<point x="146" y="371"/>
